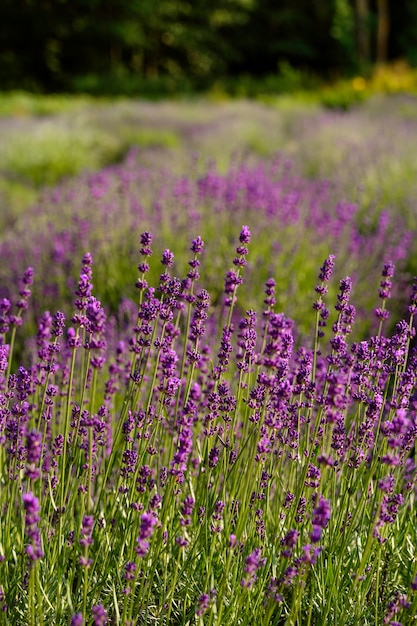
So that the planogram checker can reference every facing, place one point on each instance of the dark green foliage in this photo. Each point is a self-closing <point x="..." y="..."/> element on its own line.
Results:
<point x="170" y="46"/>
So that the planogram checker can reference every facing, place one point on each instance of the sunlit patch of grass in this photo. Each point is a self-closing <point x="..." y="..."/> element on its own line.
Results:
<point x="24" y="104"/>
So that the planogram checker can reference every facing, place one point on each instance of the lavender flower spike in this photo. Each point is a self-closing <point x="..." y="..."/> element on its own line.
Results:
<point x="99" y="615"/>
<point x="148" y="522"/>
<point x="245" y="235"/>
<point x="32" y="508"/>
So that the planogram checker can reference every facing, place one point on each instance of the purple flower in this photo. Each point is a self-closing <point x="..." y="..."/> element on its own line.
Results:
<point x="217" y="516"/>
<point x="44" y="329"/>
<point x="225" y="350"/>
<point x="169" y="360"/>
<point x="130" y="570"/>
<point x="252" y="563"/>
<point x="290" y="539"/>
<point x="197" y="327"/>
<point x="311" y="554"/>
<point x="33" y="446"/>
<point x="315" y="534"/>
<point x="389" y="507"/>
<point x="73" y="340"/>
<point x="99" y="615"/>
<point x="412" y="307"/>
<point x="95" y="315"/>
<point x="4" y="317"/>
<point x="181" y="542"/>
<point x="386" y="284"/>
<point x="186" y="510"/>
<point x="321" y="514"/>
<point x="148" y="523"/>
<point x="343" y="296"/>
<point x="58" y="324"/>
<point x="32" y="508"/>
<point x="245" y="235"/>
<point x="197" y="245"/>
<point x="146" y="242"/>
<point x="33" y="453"/>
<point x="185" y="446"/>
<point x="87" y="530"/>
<point x="5" y="305"/>
<point x="129" y="460"/>
<point x="313" y="476"/>
<point x="214" y="456"/>
<point x="387" y="483"/>
<point x="326" y="269"/>
<point x="25" y="292"/>
<point x="203" y="604"/>
<point x="232" y="281"/>
<point x="167" y="258"/>
<point x="77" y="619"/>
<point x="85" y="287"/>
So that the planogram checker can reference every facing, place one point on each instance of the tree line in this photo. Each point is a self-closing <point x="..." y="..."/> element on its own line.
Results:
<point x="50" y="44"/>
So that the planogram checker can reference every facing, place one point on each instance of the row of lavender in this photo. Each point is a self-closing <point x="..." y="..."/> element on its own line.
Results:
<point x="206" y="469"/>
<point x="295" y="223"/>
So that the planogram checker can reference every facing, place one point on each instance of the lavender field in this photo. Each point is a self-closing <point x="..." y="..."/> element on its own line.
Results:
<point x="207" y="364"/>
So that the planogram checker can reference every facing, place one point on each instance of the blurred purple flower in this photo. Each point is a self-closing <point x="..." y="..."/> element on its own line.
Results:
<point x="32" y="509"/>
<point x="99" y="615"/>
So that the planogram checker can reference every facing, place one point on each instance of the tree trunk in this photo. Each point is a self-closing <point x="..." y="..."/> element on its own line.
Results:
<point x="382" y="32"/>
<point x="363" y="40"/>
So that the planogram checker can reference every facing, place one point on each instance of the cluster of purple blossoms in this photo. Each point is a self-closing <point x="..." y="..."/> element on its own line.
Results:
<point x="384" y="290"/>
<point x="216" y="526"/>
<point x="129" y="575"/>
<point x="397" y="604"/>
<point x="233" y="278"/>
<point x="326" y="271"/>
<point x="320" y="518"/>
<point x="386" y="282"/>
<point x="231" y="283"/>
<point x="87" y="531"/>
<point x="148" y="521"/>
<point x="197" y="246"/>
<point x="226" y="349"/>
<point x="187" y="510"/>
<point x="253" y="562"/>
<point x="184" y="449"/>
<point x="204" y="602"/>
<point x="146" y="243"/>
<point x="33" y="454"/>
<point x="197" y="327"/>
<point x="24" y="293"/>
<point x="99" y="615"/>
<point x="32" y="509"/>
<point x="167" y="258"/>
<point x="289" y="541"/>
<point x="247" y="341"/>
<point x="85" y="284"/>
<point x="143" y="267"/>
<point x="5" y="306"/>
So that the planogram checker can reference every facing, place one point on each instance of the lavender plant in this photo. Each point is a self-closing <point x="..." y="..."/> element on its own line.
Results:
<point x="102" y="212"/>
<point x="207" y="470"/>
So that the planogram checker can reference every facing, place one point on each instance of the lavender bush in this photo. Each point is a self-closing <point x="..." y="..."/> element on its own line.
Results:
<point x="206" y="469"/>
<point x="296" y="222"/>
<point x="368" y="152"/>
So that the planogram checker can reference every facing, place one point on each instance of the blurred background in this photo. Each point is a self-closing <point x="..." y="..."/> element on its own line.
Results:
<point x="152" y="47"/>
